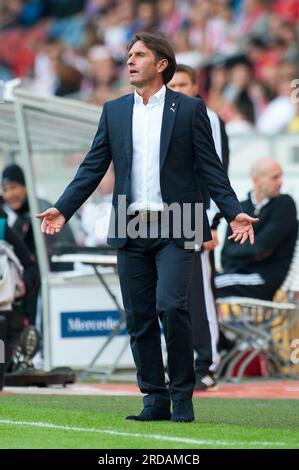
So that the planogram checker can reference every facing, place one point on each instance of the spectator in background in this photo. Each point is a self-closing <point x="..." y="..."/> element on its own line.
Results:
<point x="258" y="270"/>
<point x="16" y="207"/>
<point x="259" y="95"/>
<point x="280" y="111"/>
<point x="18" y="314"/>
<point x="253" y="17"/>
<point x="103" y="82"/>
<point x="212" y="29"/>
<point x="287" y="34"/>
<point x="54" y="73"/>
<point x="66" y="76"/>
<point x="183" y="52"/>
<point x="145" y="14"/>
<point x="264" y="32"/>
<point x="116" y="28"/>
<point x="239" y="79"/>
<point x="218" y="78"/>
<point x="242" y="116"/>
<point x="257" y="53"/>
<point x="170" y="18"/>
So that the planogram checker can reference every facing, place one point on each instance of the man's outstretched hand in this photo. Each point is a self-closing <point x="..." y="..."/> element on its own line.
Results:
<point x="242" y="228"/>
<point x="53" y="221"/>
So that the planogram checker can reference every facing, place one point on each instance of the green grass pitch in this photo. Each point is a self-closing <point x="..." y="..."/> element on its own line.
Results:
<point x="85" y="422"/>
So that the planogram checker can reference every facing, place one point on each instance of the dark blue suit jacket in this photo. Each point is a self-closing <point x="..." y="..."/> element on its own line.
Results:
<point x="186" y="147"/>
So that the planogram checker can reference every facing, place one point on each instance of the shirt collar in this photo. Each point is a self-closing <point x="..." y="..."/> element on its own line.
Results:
<point x="258" y="205"/>
<point x="157" y="98"/>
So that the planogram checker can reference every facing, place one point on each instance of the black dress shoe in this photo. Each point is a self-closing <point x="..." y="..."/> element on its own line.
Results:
<point x="183" y="411"/>
<point x="151" y="413"/>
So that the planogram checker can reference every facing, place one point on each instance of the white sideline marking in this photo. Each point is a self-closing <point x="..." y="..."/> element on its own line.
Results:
<point x="71" y="390"/>
<point x="157" y="437"/>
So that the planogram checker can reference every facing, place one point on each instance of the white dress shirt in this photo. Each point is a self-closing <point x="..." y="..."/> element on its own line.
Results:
<point x="258" y="205"/>
<point x="146" y="132"/>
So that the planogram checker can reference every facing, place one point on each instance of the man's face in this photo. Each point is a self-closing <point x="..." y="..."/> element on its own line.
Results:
<point x="269" y="182"/>
<point x="181" y="81"/>
<point x="14" y="195"/>
<point x="143" y="66"/>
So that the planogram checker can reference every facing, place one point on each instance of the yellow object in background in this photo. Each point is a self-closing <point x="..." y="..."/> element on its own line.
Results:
<point x="294" y="125"/>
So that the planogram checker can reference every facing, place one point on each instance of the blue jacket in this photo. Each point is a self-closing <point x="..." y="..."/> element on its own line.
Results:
<point x="186" y="147"/>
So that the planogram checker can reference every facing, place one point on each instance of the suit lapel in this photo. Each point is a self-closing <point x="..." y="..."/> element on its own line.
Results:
<point x="126" y="117"/>
<point x="169" y="114"/>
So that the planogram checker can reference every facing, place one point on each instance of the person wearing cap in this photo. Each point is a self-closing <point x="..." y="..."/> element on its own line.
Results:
<point x="16" y="206"/>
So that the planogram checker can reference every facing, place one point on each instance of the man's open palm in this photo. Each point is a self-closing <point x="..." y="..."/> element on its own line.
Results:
<point x="242" y="228"/>
<point x="53" y="221"/>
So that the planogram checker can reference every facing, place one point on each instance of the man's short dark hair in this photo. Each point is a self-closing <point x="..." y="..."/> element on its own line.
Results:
<point x="188" y="70"/>
<point x="161" y="49"/>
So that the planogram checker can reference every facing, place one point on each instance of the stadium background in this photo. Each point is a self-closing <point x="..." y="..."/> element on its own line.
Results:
<point x="246" y="56"/>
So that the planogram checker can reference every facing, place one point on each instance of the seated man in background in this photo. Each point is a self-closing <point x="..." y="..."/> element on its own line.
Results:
<point x="259" y="270"/>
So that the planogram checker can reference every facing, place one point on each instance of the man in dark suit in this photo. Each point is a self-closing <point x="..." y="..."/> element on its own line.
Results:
<point x="154" y="137"/>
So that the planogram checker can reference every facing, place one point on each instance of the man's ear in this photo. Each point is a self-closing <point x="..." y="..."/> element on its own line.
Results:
<point x="162" y="65"/>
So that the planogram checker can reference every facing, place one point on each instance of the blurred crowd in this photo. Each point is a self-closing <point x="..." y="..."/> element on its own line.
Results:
<point x="245" y="51"/>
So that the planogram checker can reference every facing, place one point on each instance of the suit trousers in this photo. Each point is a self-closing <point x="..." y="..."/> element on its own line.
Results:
<point x="155" y="274"/>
